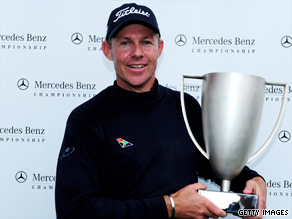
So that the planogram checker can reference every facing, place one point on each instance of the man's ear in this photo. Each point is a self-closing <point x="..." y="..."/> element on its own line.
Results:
<point x="107" y="50"/>
<point x="160" y="47"/>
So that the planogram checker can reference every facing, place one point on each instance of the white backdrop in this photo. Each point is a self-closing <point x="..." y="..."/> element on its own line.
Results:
<point x="50" y="62"/>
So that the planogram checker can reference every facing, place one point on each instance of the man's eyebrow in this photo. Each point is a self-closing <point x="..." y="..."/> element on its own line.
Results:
<point x="147" y="37"/>
<point x="125" y="38"/>
<point x="143" y="38"/>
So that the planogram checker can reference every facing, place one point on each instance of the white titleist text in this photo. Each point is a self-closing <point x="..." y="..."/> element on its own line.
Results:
<point x="126" y="11"/>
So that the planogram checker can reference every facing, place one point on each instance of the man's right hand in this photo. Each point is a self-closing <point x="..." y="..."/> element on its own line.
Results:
<point x="190" y="204"/>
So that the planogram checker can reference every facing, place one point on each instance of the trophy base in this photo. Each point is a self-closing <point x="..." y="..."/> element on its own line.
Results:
<point x="231" y="202"/>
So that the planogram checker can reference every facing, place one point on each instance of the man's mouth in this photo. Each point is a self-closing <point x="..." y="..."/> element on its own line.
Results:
<point x="137" y="66"/>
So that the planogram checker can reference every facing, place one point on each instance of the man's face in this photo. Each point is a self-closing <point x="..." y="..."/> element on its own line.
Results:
<point x="134" y="51"/>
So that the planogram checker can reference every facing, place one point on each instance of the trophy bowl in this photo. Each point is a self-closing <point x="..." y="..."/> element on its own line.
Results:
<point x="232" y="106"/>
<point x="231" y="113"/>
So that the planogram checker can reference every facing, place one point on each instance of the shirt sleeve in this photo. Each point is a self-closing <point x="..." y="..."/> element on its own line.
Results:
<point x="79" y="181"/>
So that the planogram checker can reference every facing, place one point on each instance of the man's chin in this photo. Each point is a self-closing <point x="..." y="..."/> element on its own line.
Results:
<point x="137" y="84"/>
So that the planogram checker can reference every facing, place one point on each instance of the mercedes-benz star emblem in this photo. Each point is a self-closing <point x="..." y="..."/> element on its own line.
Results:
<point x="76" y="38"/>
<point x="21" y="176"/>
<point x="22" y="84"/>
<point x="286" y="41"/>
<point x="180" y="40"/>
<point x="284" y="136"/>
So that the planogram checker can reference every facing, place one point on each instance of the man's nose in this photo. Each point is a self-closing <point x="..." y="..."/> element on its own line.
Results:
<point x="138" y="51"/>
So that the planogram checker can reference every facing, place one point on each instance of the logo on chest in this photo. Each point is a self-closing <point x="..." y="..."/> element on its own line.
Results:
<point x="123" y="143"/>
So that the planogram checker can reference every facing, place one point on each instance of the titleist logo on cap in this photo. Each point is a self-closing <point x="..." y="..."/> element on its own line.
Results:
<point x="126" y="11"/>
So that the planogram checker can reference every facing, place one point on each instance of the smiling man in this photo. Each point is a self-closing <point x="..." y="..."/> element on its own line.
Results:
<point x="134" y="51"/>
<point x="126" y="153"/>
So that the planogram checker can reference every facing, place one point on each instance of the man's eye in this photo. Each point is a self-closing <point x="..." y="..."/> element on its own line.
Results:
<point x="125" y="43"/>
<point x="146" y="42"/>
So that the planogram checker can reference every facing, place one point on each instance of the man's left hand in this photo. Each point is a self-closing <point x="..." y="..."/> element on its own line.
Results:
<point x="258" y="187"/>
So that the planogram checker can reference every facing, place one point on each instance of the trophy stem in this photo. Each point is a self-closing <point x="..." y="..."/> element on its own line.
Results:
<point x="225" y="186"/>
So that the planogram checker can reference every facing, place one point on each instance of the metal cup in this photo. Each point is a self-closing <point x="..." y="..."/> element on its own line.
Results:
<point x="232" y="105"/>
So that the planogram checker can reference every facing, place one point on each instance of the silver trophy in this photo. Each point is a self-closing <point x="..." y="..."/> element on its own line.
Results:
<point x="232" y="105"/>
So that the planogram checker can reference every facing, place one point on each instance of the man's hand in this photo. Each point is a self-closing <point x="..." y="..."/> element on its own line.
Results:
<point x="189" y="204"/>
<point x="257" y="186"/>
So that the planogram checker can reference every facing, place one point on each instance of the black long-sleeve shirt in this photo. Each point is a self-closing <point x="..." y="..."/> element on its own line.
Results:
<point x="122" y="151"/>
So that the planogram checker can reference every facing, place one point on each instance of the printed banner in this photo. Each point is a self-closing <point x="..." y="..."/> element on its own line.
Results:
<point x="51" y="61"/>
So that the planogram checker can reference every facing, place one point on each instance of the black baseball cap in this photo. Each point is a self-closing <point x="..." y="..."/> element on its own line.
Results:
<point x="130" y="14"/>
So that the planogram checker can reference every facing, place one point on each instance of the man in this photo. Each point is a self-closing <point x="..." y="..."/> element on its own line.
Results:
<point x="126" y="152"/>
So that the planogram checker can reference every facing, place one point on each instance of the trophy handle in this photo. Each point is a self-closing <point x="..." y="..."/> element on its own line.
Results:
<point x="260" y="150"/>
<point x="182" y="98"/>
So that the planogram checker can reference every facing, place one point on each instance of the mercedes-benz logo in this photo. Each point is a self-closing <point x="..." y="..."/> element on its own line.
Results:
<point x="180" y="40"/>
<point x="21" y="176"/>
<point x="284" y="136"/>
<point x="76" y="38"/>
<point x="286" y="41"/>
<point x="22" y="84"/>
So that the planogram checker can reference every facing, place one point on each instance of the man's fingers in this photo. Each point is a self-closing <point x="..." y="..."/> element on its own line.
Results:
<point x="198" y="186"/>
<point x="214" y="210"/>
